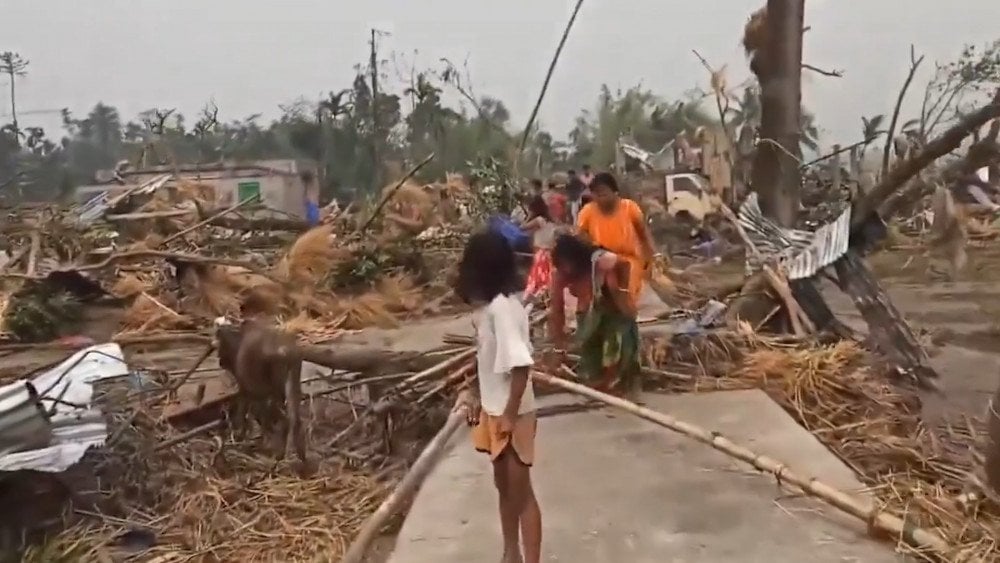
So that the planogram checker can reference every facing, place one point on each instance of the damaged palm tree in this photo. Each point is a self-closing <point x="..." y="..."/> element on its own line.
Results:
<point x="773" y="40"/>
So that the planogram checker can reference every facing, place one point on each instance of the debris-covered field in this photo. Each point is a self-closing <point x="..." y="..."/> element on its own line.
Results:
<point x="859" y="302"/>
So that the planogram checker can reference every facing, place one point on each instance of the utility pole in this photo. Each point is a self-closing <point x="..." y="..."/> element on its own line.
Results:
<point x="376" y="128"/>
<point x="13" y="65"/>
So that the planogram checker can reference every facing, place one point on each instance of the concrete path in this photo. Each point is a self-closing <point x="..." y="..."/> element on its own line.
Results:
<point x="615" y="489"/>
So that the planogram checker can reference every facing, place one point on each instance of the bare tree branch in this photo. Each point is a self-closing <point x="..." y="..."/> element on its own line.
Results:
<point x="833" y="73"/>
<point x="910" y="167"/>
<point x="914" y="65"/>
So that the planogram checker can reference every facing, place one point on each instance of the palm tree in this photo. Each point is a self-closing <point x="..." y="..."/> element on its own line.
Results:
<point x="871" y="127"/>
<point x="746" y="112"/>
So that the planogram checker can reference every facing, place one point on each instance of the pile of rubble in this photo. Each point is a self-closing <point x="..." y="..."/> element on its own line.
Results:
<point x="175" y="263"/>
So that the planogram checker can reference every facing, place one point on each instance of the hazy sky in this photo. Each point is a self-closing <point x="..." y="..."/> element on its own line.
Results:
<point x="251" y="55"/>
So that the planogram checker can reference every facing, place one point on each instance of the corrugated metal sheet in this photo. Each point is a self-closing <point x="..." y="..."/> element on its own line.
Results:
<point x="66" y="391"/>
<point x="95" y="207"/>
<point x="829" y="243"/>
<point x="801" y="253"/>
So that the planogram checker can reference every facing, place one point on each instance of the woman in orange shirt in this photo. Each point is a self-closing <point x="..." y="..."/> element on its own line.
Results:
<point x="614" y="241"/>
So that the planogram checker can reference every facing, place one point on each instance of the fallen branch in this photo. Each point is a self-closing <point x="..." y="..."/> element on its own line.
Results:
<point x="185" y="436"/>
<point x="148" y="215"/>
<point x="907" y="169"/>
<point x="194" y="367"/>
<point x="982" y="153"/>
<point x="204" y="222"/>
<point x="440" y="367"/>
<point x="135" y="254"/>
<point x="876" y="519"/>
<point x="260" y="224"/>
<point x="406" y="488"/>
<point x="392" y="192"/>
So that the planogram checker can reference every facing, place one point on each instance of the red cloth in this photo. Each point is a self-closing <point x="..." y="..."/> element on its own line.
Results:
<point x="540" y="276"/>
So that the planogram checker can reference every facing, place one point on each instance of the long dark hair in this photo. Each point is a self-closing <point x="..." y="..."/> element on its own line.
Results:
<point x="538" y="208"/>
<point x="573" y="255"/>
<point x="487" y="269"/>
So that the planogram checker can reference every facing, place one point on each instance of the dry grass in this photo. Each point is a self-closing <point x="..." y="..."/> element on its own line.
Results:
<point x="368" y="309"/>
<point x="312" y="257"/>
<point x="228" y="504"/>
<point x="870" y="423"/>
<point x="130" y="284"/>
<point x="150" y="314"/>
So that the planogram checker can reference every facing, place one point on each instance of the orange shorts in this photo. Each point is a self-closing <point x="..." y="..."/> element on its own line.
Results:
<point x="487" y="438"/>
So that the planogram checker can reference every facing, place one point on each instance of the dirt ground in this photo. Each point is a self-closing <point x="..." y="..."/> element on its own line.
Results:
<point x="959" y="321"/>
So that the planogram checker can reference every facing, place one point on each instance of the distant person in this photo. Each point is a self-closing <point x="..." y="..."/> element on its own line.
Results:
<point x="502" y="413"/>
<point x="312" y="198"/>
<point x="556" y="200"/>
<point x="574" y="191"/>
<point x="588" y="176"/>
<point x="543" y="231"/>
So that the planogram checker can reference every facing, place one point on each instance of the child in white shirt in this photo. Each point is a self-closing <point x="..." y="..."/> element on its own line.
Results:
<point x="503" y="410"/>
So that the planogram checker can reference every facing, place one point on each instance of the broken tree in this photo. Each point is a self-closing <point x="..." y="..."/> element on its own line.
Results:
<point x="773" y="40"/>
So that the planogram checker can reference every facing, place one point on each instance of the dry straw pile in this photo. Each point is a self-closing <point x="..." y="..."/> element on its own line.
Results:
<point x="874" y="425"/>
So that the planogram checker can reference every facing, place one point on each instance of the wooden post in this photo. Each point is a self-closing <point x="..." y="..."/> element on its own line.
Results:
<point x="835" y="170"/>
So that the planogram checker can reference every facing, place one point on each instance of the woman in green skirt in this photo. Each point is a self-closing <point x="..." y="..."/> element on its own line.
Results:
<point x="607" y="333"/>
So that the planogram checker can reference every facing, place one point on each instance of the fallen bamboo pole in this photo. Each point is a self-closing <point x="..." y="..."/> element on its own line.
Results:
<point x="876" y="519"/>
<point x="456" y="375"/>
<point x="209" y="219"/>
<point x="439" y="367"/>
<point x="406" y="488"/>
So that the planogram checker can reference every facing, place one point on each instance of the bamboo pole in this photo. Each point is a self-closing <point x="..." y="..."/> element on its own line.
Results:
<point x="876" y="519"/>
<point x="439" y="367"/>
<point x="209" y="219"/>
<point x="456" y="375"/>
<point x="406" y="488"/>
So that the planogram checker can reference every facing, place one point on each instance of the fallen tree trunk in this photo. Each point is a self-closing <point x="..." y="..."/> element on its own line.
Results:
<point x="888" y="331"/>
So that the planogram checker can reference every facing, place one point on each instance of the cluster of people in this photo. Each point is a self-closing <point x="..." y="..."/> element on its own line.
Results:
<point x="600" y="257"/>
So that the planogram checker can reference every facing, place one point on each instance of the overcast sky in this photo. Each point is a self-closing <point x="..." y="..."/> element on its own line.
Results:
<point x="251" y="55"/>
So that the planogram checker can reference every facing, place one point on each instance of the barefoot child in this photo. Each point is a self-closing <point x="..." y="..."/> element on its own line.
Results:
<point x="503" y="412"/>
